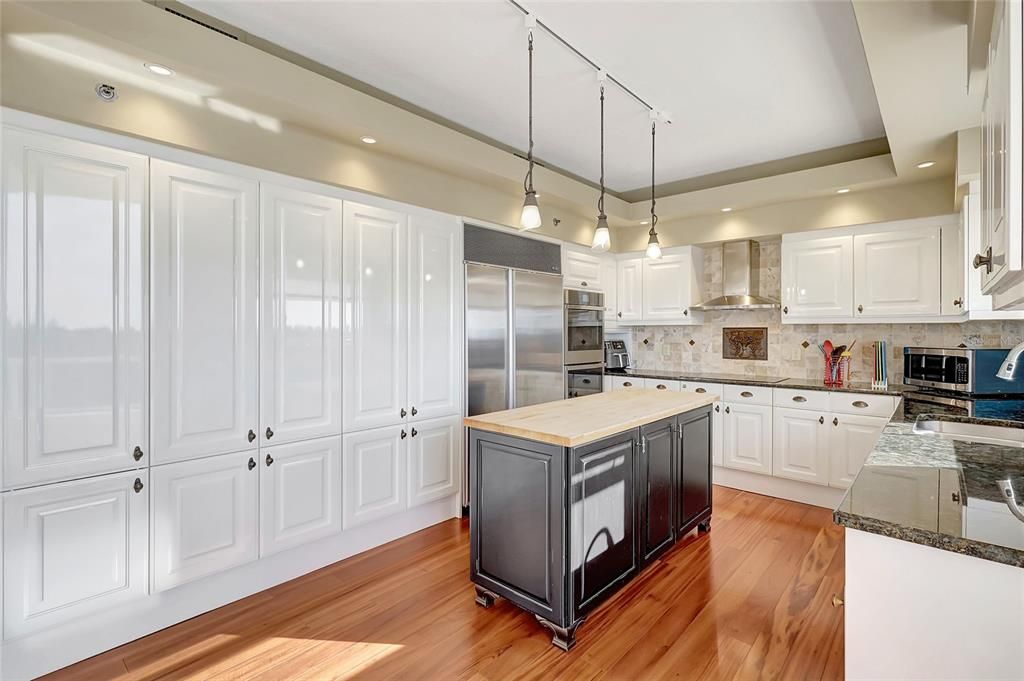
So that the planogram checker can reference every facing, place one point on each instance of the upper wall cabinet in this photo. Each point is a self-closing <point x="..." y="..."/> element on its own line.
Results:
<point x="300" y="321"/>
<point x="630" y="290"/>
<point x="204" y="362"/>
<point x="402" y="322"/>
<point x="581" y="268"/>
<point x="897" y="273"/>
<point x="74" y="309"/>
<point x="817" y="278"/>
<point x="660" y="291"/>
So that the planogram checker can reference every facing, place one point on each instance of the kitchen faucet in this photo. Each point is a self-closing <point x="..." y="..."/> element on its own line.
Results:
<point x="1009" y="365"/>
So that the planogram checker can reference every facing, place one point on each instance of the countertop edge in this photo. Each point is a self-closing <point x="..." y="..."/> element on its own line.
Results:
<point x="936" y="540"/>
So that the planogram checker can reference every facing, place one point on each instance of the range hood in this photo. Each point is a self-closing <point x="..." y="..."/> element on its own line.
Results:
<point x="739" y="281"/>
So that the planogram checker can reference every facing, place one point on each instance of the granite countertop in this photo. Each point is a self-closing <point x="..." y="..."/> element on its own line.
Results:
<point x="580" y="420"/>
<point x="939" y="492"/>
<point x="766" y="381"/>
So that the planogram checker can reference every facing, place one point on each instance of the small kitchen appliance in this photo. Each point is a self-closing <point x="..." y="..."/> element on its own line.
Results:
<point x="616" y="356"/>
<point x="960" y="382"/>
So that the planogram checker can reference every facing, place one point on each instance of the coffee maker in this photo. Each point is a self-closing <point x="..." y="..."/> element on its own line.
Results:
<point x="616" y="357"/>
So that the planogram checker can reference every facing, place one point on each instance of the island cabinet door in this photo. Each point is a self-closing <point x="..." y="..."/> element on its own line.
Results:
<point x="517" y="521"/>
<point x="602" y="538"/>
<point x="694" y="468"/>
<point x="659" y="446"/>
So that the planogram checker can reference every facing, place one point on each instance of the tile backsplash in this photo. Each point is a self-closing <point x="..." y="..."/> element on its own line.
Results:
<point x="699" y="348"/>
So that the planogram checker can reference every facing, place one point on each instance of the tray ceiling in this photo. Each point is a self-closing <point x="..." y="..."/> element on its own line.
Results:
<point x="745" y="82"/>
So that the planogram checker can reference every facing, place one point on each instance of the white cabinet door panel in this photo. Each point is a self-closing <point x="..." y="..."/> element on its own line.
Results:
<point x="630" y="290"/>
<point x="800" y="446"/>
<point x="300" y="493"/>
<point x="747" y="441"/>
<point x="374" y="474"/>
<point x="205" y="364"/>
<point x="954" y="264"/>
<point x="817" y="278"/>
<point x="851" y="440"/>
<point x="376" y="317"/>
<point x="897" y="273"/>
<point x="667" y="288"/>
<point x="73" y="549"/>
<point x="435" y="302"/>
<point x="435" y="450"/>
<point x="74" y="315"/>
<point x="300" y="325"/>
<point x="610" y="287"/>
<point x="581" y="269"/>
<point x="205" y="517"/>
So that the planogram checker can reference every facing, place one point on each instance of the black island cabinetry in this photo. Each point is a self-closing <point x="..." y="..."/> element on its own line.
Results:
<point x="557" y="530"/>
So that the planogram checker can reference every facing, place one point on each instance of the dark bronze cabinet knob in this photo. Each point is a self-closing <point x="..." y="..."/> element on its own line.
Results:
<point x="717" y="408"/>
<point x="959" y="302"/>
<point x="821" y="420"/>
<point x="785" y="310"/>
<point x="686" y="313"/>
<point x="984" y="261"/>
<point x="138" y="485"/>
<point x="583" y="283"/>
<point x="270" y="459"/>
<point x="835" y="421"/>
<point x="620" y="315"/>
<point x="252" y="435"/>
<point x="137" y="454"/>
<point x="415" y="432"/>
<point x="252" y="463"/>
<point x="727" y="410"/>
<point x="860" y="308"/>
<point x="270" y="433"/>
<point x="404" y="435"/>
<point x="414" y="412"/>
<point x="402" y="413"/>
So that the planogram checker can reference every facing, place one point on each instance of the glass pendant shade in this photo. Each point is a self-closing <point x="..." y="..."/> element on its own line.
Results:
<point x="602" y="236"/>
<point x="653" y="247"/>
<point x="530" y="218"/>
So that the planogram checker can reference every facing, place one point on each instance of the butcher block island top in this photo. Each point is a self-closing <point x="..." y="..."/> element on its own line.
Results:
<point x="581" y="420"/>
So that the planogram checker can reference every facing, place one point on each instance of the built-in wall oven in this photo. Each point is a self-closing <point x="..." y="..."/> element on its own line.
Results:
<point x="584" y="379"/>
<point x="584" y="327"/>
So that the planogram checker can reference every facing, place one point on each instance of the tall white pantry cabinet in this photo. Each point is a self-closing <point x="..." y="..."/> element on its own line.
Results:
<point x="202" y="366"/>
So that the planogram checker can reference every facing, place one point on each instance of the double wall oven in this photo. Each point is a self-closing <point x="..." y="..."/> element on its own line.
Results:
<point x="583" y="353"/>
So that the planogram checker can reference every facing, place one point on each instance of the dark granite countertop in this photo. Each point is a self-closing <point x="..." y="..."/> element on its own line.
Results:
<point x="939" y="492"/>
<point x="767" y="381"/>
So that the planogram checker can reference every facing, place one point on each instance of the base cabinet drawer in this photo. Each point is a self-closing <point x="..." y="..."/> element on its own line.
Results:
<point x="205" y="517"/>
<point x="661" y="384"/>
<point x="623" y="382"/>
<point x="748" y="394"/>
<point x="300" y="493"/>
<point x="862" y="404"/>
<point x="73" y="549"/>
<point x="374" y="474"/>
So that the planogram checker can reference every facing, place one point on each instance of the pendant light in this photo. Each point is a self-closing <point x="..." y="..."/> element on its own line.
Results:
<point x="530" y="217"/>
<point x="602" y="236"/>
<point x="653" y="247"/>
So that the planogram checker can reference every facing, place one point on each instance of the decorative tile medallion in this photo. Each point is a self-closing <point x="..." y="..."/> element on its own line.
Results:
<point x="745" y="343"/>
<point x="806" y="345"/>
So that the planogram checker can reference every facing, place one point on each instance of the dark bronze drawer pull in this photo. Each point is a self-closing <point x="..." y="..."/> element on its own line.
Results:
<point x="662" y="386"/>
<point x="860" y="404"/>
<point x="746" y="393"/>
<point x="627" y="384"/>
<point x="700" y="390"/>
<point x="799" y="398"/>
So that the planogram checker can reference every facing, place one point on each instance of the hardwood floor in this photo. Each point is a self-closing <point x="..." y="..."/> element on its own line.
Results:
<point x="750" y="600"/>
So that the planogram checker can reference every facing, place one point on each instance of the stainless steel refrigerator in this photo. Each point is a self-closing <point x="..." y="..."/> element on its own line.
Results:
<point x="514" y="322"/>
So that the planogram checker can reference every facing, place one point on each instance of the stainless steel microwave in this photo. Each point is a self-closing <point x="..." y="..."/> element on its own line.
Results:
<point x="970" y="371"/>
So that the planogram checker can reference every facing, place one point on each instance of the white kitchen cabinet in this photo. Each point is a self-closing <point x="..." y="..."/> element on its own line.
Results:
<point x="582" y="269"/>
<point x="800" y="449"/>
<point x="205" y="517"/>
<point x="73" y="549"/>
<point x="623" y="382"/>
<point x="300" y="493"/>
<point x="671" y="284"/>
<point x="630" y="290"/>
<point x="610" y="287"/>
<point x="204" y="354"/>
<point x="817" y="277"/>
<point x="954" y="299"/>
<point x="75" y="278"/>
<point x="435" y="309"/>
<point x="897" y="273"/>
<point x="374" y="474"/>
<point x="747" y="441"/>
<point x="979" y="305"/>
<point x="300" y="321"/>
<point x="718" y="435"/>
<point x="375" y="319"/>
<point x="435" y="451"/>
<point x="851" y="439"/>
<point x="402" y="349"/>
<point x="661" y="384"/>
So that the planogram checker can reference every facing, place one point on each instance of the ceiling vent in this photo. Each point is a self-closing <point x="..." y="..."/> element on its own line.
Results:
<point x="178" y="13"/>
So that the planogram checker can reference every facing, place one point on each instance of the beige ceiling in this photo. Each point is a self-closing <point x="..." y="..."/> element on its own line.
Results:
<point x="916" y="53"/>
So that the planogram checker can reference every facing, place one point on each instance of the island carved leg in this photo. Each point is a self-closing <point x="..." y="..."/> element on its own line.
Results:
<point x="561" y="637"/>
<point x="485" y="598"/>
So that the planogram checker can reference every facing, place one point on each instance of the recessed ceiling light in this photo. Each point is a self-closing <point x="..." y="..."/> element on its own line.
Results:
<point x="645" y="222"/>
<point x="926" y="164"/>
<point x="160" y="69"/>
<point x="368" y="140"/>
<point x="727" y="210"/>
<point x="844" y="190"/>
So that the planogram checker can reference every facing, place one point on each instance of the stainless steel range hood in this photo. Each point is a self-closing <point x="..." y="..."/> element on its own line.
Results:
<point x="739" y="281"/>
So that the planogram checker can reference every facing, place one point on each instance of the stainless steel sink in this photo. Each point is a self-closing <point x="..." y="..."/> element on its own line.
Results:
<point x="972" y="432"/>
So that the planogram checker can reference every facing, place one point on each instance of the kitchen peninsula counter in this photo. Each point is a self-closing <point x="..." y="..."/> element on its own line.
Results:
<point x="570" y="500"/>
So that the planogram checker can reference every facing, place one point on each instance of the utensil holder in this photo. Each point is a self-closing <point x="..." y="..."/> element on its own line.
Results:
<point x="836" y="370"/>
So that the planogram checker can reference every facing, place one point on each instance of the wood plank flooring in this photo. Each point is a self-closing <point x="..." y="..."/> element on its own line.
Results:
<point x="750" y="600"/>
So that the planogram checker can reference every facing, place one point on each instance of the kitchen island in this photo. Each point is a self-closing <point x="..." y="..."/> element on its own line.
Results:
<point x="570" y="500"/>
